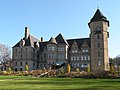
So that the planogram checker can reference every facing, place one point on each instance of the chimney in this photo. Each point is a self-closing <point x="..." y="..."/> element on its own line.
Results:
<point x="26" y="32"/>
<point x="42" y="39"/>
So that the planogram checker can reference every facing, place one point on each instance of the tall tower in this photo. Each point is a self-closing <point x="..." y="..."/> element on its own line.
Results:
<point x="99" y="42"/>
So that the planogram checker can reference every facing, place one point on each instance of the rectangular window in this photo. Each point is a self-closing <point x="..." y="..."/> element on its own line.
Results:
<point x="77" y="64"/>
<point x="15" y="63"/>
<point x="98" y="54"/>
<point x="61" y="49"/>
<point x="98" y="45"/>
<point x="85" y="57"/>
<point x="74" y="58"/>
<point x="78" y="58"/>
<point x="33" y="64"/>
<point x="71" y="58"/>
<point x="88" y="58"/>
<point x="85" y="50"/>
<point x="99" y="62"/>
<point x="26" y="63"/>
<point x="53" y="48"/>
<point x="98" y="36"/>
<point x="82" y="58"/>
<point x="20" y="69"/>
<point x="20" y="63"/>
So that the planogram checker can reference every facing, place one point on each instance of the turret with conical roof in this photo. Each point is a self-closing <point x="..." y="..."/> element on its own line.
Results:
<point x="52" y="41"/>
<point x="98" y="16"/>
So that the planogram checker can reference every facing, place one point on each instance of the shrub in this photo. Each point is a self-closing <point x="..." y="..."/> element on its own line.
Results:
<point x="36" y="72"/>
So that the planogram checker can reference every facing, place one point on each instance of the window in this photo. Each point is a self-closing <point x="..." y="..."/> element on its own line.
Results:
<point x="84" y="65"/>
<point x="99" y="62"/>
<point x="98" y="36"/>
<point x="82" y="58"/>
<point x="98" y="54"/>
<point x="85" y="57"/>
<point x="77" y="64"/>
<point x="71" y="58"/>
<point x="20" y="69"/>
<point x="53" y="48"/>
<point x="72" y="65"/>
<point x="74" y="58"/>
<point x="98" y="45"/>
<point x="20" y="63"/>
<point x="78" y="58"/>
<point x="15" y="63"/>
<point x="61" y="49"/>
<point x="26" y="63"/>
<point x="53" y="62"/>
<point x="88" y="58"/>
<point x="33" y="64"/>
<point x="85" y="50"/>
<point x="74" y="51"/>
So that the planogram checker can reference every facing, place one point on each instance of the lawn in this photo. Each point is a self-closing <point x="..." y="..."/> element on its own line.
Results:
<point x="33" y="83"/>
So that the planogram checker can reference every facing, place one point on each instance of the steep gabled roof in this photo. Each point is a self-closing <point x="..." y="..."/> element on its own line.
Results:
<point x="28" y="42"/>
<point x="75" y="43"/>
<point x="52" y="41"/>
<point x="98" y="16"/>
<point x="60" y="40"/>
<point x="42" y="45"/>
<point x="79" y="42"/>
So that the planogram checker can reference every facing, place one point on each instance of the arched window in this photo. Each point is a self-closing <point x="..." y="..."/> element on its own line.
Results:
<point x="98" y="36"/>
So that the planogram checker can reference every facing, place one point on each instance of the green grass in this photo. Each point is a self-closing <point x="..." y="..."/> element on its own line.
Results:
<point x="33" y="83"/>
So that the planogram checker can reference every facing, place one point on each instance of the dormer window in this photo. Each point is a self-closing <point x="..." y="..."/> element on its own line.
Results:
<point x="74" y="51"/>
<point x="85" y="50"/>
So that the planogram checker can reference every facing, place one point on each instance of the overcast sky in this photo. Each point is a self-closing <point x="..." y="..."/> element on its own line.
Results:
<point x="46" y="18"/>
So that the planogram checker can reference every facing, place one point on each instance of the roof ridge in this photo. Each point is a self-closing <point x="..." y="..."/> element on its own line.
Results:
<point x="61" y="39"/>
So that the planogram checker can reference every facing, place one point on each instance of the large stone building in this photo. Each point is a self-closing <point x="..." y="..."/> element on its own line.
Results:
<point x="79" y="53"/>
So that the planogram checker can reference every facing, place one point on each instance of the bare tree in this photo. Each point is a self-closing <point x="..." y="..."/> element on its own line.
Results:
<point x="5" y="53"/>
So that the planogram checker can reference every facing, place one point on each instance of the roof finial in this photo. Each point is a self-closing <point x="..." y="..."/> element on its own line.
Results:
<point x="97" y="7"/>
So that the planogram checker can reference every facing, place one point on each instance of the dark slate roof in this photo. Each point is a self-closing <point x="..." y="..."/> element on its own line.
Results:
<point x="60" y="40"/>
<point x="28" y="42"/>
<point x="70" y="42"/>
<point x="52" y="41"/>
<point x="98" y="16"/>
<point x="42" y="45"/>
<point x="79" y="42"/>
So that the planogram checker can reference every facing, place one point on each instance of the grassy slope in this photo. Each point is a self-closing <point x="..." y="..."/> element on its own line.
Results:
<point x="28" y="83"/>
